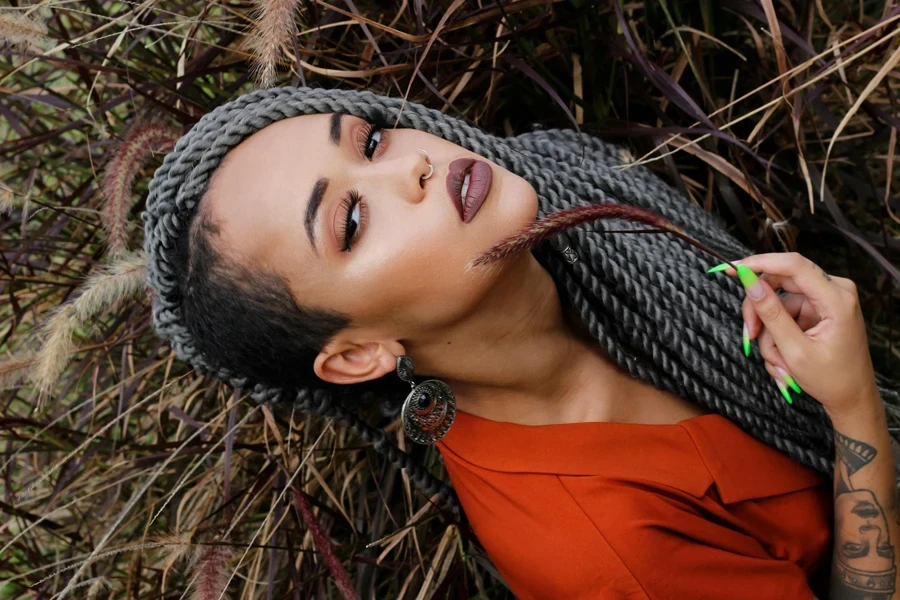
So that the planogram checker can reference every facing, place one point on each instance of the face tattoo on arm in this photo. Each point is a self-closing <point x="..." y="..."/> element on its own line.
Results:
<point x="864" y="555"/>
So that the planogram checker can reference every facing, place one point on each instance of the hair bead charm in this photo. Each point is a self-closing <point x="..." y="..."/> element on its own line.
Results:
<point x="430" y="407"/>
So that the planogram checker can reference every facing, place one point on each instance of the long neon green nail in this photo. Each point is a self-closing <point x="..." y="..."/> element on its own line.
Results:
<point x="788" y="379"/>
<point x="791" y="382"/>
<point x="784" y="392"/>
<point x="718" y="268"/>
<point x="746" y="337"/>
<point x="751" y="282"/>
<point x="748" y="277"/>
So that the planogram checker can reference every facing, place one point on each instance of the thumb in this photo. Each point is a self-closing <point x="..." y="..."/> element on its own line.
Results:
<point x="772" y="312"/>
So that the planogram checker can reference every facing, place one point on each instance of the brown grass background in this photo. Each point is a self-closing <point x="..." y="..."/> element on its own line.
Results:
<point x="125" y="475"/>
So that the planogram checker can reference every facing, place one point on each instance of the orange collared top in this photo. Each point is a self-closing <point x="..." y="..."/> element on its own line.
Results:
<point x="691" y="511"/>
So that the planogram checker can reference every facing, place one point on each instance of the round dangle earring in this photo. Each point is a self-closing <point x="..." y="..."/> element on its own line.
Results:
<point x="430" y="407"/>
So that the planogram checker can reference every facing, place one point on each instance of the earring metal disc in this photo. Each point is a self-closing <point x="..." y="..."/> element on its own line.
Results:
<point x="405" y="369"/>
<point x="428" y="411"/>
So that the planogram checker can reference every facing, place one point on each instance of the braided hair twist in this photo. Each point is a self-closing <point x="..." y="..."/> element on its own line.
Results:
<point x="646" y="299"/>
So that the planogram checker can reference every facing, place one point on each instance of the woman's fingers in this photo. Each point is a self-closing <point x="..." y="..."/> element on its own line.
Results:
<point x="784" y="381"/>
<point x="781" y="282"/>
<point x="796" y="274"/>
<point x="797" y="306"/>
<point x="787" y="284"/>
<point x="815" y="334"/>
<point x="777" y="367"/>
<point x="769" y="351"/>
<point x="775" y="318"/>
<point x="803" y="312"/>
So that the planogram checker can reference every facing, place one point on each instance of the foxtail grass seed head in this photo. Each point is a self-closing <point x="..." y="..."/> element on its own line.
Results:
<point x="121" y="171"/>
<point x="8" y="201"/>
<point x="57" y="346"/>
<point x="102" y="291"/>
<point x="272" y="31"/>
<point x="558" y="222"/>
<point x="105" y="290"/>
<point x="22" y="32"/>
<point x="14" y="369"/>
<point x="172" y="547"/>
<point x="210" y="572"/>
<point x="323" y="545"/>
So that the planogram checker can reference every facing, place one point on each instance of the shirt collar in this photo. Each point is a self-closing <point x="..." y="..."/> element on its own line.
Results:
<point x="690" y="455"/>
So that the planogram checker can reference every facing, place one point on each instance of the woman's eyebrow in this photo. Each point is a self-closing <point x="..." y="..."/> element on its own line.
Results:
<point x="321" y="185"/>
<point x="312" y="210"/>
<point x="334" y="134"/>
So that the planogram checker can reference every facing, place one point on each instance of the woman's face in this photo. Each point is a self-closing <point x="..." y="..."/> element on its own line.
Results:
<point x="338" y="208"/>
<point x="867" y="546"/>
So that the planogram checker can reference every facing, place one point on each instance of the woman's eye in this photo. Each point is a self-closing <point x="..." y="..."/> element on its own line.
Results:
<point x="372" y="138"/>
<point x="353" y="211"/>
<point x="353" y="222"/>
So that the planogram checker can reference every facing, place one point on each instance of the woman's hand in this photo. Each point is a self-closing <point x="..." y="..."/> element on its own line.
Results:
<point x="815" y="334"/>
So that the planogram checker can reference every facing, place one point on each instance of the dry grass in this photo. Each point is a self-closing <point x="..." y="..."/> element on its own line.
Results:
<point x="23" y="32"/>
<point x="125" y="475"/>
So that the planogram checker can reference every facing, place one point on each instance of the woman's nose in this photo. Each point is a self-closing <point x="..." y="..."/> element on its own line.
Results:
<point x="404" y="174"/>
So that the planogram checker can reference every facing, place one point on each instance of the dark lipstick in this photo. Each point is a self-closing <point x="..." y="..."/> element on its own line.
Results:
<point x="479" y="174"/>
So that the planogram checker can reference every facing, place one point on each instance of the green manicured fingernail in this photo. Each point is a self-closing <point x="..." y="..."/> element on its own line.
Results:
<point x="748" y="277"/>
<point x="791" y="382"/>
<point x="788" y="379"/>
<point x="746" y="337"/>
<point x="784" y="392"/>
<point x="751" y="282"/>
<point x="718" y="268"/>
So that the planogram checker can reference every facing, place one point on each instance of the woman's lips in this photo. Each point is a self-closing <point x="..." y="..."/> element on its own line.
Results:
<point x="480" y="177"/>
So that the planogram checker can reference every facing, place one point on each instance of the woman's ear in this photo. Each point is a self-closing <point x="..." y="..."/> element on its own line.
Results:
<point x="354" y="363"/>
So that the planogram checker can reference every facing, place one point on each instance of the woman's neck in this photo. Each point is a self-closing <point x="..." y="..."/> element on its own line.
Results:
<point x="520" y="360"/>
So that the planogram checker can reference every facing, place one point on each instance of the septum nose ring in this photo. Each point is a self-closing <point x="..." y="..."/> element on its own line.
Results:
<point x="430" y="166"/>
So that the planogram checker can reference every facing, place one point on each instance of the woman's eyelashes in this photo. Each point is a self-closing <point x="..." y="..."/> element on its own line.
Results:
<point x="352" y="216"/>
<point x="372" y="138"/>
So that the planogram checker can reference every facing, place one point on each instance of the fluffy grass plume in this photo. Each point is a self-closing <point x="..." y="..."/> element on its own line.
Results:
<point x="323" y="545"/>
<point x="22" y="32"/>
<point x="209" y="572"/>
<point x="57" y="346"/>
<point x="8" y="201"/>
<point x="102" y="291"/>
<point x="558" y="222"/>
<point x="273" y="29"/>
<point x="118" y="177"/>
<point x="14" y="369"/>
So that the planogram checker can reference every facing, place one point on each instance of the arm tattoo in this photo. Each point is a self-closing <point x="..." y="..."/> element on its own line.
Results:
<point x="827" y="276"/>
<point x="853" y="454"/>
<point x="863" y="566"/>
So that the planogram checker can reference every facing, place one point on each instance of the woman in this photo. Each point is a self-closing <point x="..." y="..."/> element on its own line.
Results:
<point x="299" y="244"/>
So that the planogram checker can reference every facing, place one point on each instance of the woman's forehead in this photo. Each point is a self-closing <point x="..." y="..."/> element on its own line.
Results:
<point x="258" y="195"/>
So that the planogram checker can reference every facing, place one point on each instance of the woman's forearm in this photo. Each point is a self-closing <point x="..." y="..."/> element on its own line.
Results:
<point x="866" y="513"/>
